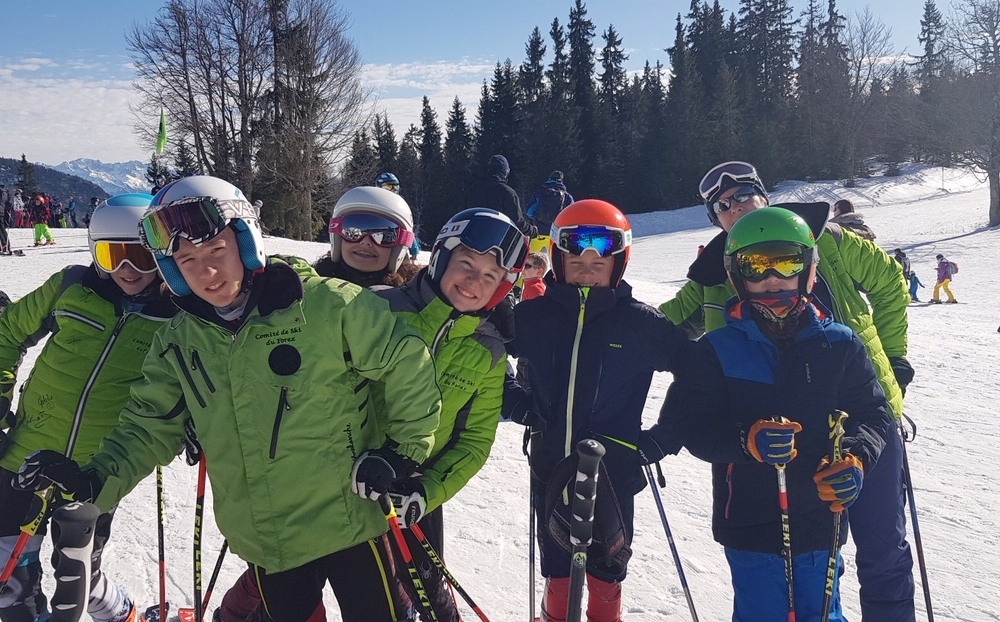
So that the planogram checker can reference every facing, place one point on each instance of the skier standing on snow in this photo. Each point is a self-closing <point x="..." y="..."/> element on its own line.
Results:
<point x="914" y="284"/>
<point x="370" y="213"/>
<point x="274" y="372"/>
<point x="758" y="393"/>
<point x="101" y="319"/>
<point x="946" y="271"/>
<point x="40" y="214"/>
<point x="544" y="206"/>
<point x="494" y="193"/>
<point x="588" y="350"/>
<point x="847" y="262"/>
<point x="903" y="260"/>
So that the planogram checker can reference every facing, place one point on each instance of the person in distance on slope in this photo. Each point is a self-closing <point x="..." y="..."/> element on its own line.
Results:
<point x="40" y="215"/>
<point x="101" y="319"/>
<point x="848" y="263"/>
<point x="588" y="350"/>
<point x="759" y="392"/>
<point x="274" y="372"/>
<point x="388" y="181"/>
<point x="914" y="284"/>
<point x="946" y="271"/>
<point x="544" y="206"/>
<point x="361" y="216"/>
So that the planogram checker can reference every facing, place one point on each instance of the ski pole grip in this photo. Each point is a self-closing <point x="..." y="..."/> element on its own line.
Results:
<point x="590" y="453"/>
<point x="73" y="540"/>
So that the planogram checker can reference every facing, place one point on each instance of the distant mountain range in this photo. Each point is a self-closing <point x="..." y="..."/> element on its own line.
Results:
<point x="114" y="178"/>
<point x="54" y="183"/>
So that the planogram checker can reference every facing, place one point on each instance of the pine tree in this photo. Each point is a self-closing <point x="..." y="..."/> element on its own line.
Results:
<point x="707" y="41"/>
<point x="184" y="162"/>
<point x="457" y="180"/>
<point x="433" y="209"/>
<point x="386" y="149"/>
<point x="610" y="125"/>
<point x="361" y="164"/>
<point x="26" y="177"/>
<point x="411" y="183"/>
<point x="531" y="74"/>
<point x="685" y="115"/>
<point x="581" y="70"/>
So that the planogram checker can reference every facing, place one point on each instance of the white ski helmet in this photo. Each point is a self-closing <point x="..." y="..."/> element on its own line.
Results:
<point x="242" y="219"/>
<point x="117" y="220"/>
<point x="374" y="201"/>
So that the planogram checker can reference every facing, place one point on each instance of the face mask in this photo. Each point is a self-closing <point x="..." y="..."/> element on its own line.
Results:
<point x="778" y="306"/>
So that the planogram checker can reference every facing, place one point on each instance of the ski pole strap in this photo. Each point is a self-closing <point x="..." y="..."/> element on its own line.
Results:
<point x="911" y="434"/>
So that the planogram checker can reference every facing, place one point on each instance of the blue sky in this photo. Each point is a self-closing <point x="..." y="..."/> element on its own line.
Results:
<point x="65" y="79"/>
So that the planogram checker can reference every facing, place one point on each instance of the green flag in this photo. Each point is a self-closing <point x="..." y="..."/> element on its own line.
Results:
<point x="161" y="138"/>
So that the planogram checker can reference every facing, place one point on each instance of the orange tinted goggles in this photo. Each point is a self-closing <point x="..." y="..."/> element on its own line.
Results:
<point x="109" y="256"/>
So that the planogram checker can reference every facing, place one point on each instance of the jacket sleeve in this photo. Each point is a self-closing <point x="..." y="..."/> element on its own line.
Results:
<point x="685" y="302"/>
<point x="696" y="412"/>
<point x="664" y="342"/>
<point x="149" y="432"/>
<point x="882" y="278"/>
<point x="384" y="348"/>
<point x="24" y="322"/>
<point x="456" y="465"/>
<point x="868" y="423"/>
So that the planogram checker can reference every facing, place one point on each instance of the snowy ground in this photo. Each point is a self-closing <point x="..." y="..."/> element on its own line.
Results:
<point x="952" y="347"/>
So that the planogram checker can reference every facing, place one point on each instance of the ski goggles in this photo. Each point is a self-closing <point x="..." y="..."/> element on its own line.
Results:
<point x="759" y="261"/>
<point x="382" y="231"/>
<point x="605" y="241"/>
<point x="730" y="173"/>
<point x="389" y="185"/>
<point x="743" y="194"/>
<point x="110" y="256"/>
<point x="196" y="219"/>
<point x="489" y="235"/>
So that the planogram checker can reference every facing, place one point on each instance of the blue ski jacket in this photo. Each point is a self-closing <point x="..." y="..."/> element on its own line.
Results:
<point x="588" y="355"/>
<point x="735" y="376"/>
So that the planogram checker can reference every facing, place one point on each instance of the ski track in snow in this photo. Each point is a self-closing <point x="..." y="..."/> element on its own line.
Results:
<point x="953" y="400"/>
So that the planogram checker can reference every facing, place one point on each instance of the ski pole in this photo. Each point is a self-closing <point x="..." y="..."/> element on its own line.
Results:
<point x="215" y="575"/>
<point x="908" y="482"/>
<point x="670" y="541"/>
<point x="404" y="551"/>
<point x="582" y="526"/>
<point x="531" y="529"/>
<point x="199" y="514"/>
<point x="836" y="419"/>
<point x="786" y="539"/>
<point x="161" y="555"/>
<point x="436" y="559"/>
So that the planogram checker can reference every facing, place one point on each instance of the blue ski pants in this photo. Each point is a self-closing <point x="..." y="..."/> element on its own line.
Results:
<point x="760" y="590"/>
<point x="878" y="528"/>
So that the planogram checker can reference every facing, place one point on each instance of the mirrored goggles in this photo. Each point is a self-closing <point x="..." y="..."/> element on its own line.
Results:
<point x="109" y="256"/>
<point x="783" y="259"/>
<point x="382" y="231"/>
<point x="196" y="219"/>
<point x="391" y="186"/>
<point x="737" y="172"/>
<point x="742" y="195"/>
<point x="605" y="241"/>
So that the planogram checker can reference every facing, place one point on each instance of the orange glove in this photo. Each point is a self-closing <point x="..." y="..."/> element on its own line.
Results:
<point x="840" y="482"/>
<point x="772" y="441"/>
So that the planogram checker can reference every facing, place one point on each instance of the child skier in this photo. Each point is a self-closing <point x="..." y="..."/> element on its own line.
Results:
<point x="535" y="268"/>
<point x="274" y="372"/>
<point x="759" y="393"/>
<point x="914" y="284"/>
<point x="101" y="319"/>
<point x="946" y="271"/>
<point x="588" y="350"/>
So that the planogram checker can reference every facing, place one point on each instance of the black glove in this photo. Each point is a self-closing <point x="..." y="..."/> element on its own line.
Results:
<point x="376" y="469"/>
<point x="410" y="500"/>
<point x="649" y="450"/>
<point x="191" y="448"/>
<point x="902" y="370"/>
<point x="45" y="467"/>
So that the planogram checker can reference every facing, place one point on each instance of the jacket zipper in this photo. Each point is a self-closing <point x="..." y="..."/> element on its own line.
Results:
<point x="78" y="415"/>
<point x="187" y="374"/>
<point x="572" y="372"/>
<point x="729" y="484"/>
<point x="196" y="364"/>
<point x="81" y="318"/>
<point x="442" y="332"/>
<point x="283" y="405"/>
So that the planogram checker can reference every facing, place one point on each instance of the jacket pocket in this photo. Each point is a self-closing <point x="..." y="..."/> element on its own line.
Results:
<point x="283" y="405"/>
<point x="83" y="319"/>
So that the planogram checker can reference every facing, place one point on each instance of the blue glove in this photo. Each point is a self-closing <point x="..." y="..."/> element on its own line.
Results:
<point x="840" y="482"/>
<point x="45" y="467"/>
<point x="375" y="470"/>
<point x="410" y="501"/>
<point x="772" y="441"/>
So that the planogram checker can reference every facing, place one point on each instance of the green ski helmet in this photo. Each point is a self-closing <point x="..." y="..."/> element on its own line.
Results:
<point x="771" y="240"/>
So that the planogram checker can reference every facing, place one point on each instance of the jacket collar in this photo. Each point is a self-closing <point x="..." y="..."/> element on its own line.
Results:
<point x="599" y="299"/>
<point x="739" y="315"/>
<point x="151" y="301"/>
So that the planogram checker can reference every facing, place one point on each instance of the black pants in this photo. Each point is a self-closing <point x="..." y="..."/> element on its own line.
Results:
<point x="4" y="240"/>
<point x="361" y="578"/>
<point x="438" y="591"/>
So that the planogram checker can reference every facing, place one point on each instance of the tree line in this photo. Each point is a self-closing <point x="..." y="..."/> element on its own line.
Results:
<point x="818" y="95"/>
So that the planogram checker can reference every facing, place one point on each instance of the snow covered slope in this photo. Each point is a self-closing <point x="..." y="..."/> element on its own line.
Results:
<point x="954" y="397"/>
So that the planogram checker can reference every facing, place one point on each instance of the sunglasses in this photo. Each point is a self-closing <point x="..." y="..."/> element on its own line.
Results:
<point x="382" y="231"/>
<point x="390" y="186"/>
<point x="737" y="172"/>
<point x="759" y="261"/>
<point x="196" y="219"/>
<point x="742" y="195"/>
<point x="534" y="266"/>
<point x="605" y="241"/>
<point x="110" y="256"/>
